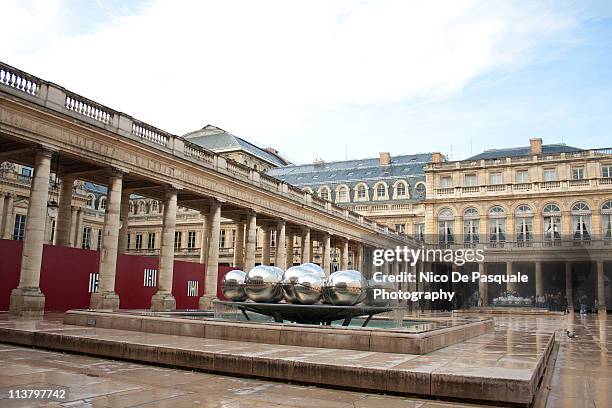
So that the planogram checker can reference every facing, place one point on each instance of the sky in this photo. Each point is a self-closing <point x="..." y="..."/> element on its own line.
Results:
<point x="333" y="80"/>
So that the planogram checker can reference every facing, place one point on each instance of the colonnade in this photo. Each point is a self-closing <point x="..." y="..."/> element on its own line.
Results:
<point x="27" y="299"/>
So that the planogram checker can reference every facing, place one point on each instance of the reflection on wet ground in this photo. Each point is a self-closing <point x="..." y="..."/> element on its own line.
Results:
<point x="581" y="376"/>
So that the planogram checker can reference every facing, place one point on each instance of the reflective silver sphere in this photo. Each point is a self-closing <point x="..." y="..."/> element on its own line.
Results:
<point x="232" y="285"/>
<point x="314" y="268"/>
<point x="290" y="279"/>
<point x="309" y="288"/>
<point x="383" y="284"/>
<point x="345" y="288"/>
<point x="262" y="284"/>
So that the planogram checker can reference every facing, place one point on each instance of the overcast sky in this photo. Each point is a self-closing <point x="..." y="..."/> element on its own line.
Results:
<point x="333" y="79"/>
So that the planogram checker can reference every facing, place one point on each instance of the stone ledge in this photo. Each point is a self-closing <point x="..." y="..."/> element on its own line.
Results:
<point x="432" y="379"/>
<point x="347" y="338"/>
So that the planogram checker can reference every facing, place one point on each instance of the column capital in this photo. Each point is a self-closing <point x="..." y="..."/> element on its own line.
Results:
<point x="45" y="151"/>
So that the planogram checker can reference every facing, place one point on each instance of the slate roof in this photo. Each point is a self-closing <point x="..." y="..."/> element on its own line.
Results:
<point x="218" y="140"/>
<point x="523" y="151"/>
<point x="351" y="172"/>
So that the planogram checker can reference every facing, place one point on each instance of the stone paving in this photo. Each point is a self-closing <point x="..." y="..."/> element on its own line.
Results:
<point x="582" y="375"/>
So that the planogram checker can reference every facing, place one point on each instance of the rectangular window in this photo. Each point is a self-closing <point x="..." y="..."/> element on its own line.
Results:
<point x="446" y="182"/>
<point x="86" y="238"/>
<point x="401" y="228"/>
<point x="222" y="238"/>
<point x="178" y="237"/>
<point x="471" y="180"/>
<point x="26" y="172"/>
<point x="19" y="227"/>
<point x="191" y="239"/>
<point x="129" y="241"/>
<point x="578" y="173"/>
<point x="495" y="178"/>
<point x="151" y="242"/>
<point x="139" y="241"/>
<point x="99" y="245"/>
<point x="419" y="231"/>
<point x="550" y="174"/>
<point x="606" y="171"/>
<point x="522" y="176"/>
<point x="273" y="239"/>
<point x="52" y="230"/>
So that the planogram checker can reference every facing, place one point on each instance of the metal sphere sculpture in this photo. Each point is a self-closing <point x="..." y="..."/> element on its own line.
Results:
<point x="232" y="285"/>
<point x="314" y="268"/>
<point x="290" y="279"/>
<point x="309" y="288"/>
<point x="383" y="284"/>
<point x="262" y="284"/>
<point x="345" y="288"/>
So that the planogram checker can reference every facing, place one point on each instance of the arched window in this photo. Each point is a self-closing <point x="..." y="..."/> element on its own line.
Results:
<point x="90" y="201"/>
<point x="342" y="194"/>
<point x="154" y="206"/>
<point x="307" y="190"/>
<point x="420" y="188"/>
<point x="361" y="192"/>
<point x="400" y="189"/>
<point x="131" y="207"/>
<point x="524" y="223"/>
<point x="102" y="203"/>
<point x="471" y="226"/>
<point x="581" y="221"/>
<point x="497" y="224"/>
<point x="141" y="207"/>
<point x="380" y="191"/>
<point x="324" y="193"/>
<point x="552" y="222"/>
<point x="446" y="226"/>
<point x="606" y="220"/>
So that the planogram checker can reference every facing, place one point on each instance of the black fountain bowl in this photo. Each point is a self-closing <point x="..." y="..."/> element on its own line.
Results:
<point x="308" y="314"/>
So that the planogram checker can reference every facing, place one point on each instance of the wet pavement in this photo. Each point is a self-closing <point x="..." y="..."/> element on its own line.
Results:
<point x="581" y="377"/>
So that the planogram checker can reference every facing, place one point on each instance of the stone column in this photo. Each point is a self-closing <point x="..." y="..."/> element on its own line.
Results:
<point x="306" y="253"/>
<point x="78" y="233"/>
<point x="9" y="220"/>
<point x="163" y="299"/>
<point x="344" y="259"/>
<point x="64" y="214"/>
<point x="106" y="298"/>
<point x="510" y="286"/>
<point x="205" y="238"/>
<point x="326" y="254"/>
<point x="289" y="248"/>
<point x="539" y="284"/>
<point x="124" y="216"/>
<point x="601" y="290"/>
<point x="569" y="290"/>
<point x="281" y="250"/>
<point x="483" y="289"/>
<point x="74" y="210"/>
<point x="27" y="299"/>
<point x="265" y="246"/>
<point x="358" y="254"/>
<point x="212" y="264"/>
<point x="251" y="238"/>
<point x="239" y="246"/>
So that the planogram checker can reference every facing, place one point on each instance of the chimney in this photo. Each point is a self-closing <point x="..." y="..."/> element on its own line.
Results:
<point x="319" y="162"/>
<point x="384" y="159"/>
<point x="535" y="146"/>
<point x="436" y="157"/>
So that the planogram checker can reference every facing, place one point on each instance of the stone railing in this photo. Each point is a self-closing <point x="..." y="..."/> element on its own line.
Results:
<point x="56" y="98"/>
<point x="472" y="164"/>
<point x="503" y="189"/>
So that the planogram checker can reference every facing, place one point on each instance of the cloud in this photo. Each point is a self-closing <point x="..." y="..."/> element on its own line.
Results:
<point x="264" y="69"/>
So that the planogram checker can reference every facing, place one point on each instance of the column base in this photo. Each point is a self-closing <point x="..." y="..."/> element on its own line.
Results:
<point x="206" y="302"/>
<point x="104" y="301"/>
<point x="161" y="302"/>
<point x="27" y="302"/>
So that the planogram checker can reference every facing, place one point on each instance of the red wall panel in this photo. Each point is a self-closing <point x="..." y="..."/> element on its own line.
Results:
<point x="65" y="278"/>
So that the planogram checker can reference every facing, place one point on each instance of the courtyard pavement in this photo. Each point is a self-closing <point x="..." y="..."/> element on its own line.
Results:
<point x="581" y="377"/>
